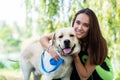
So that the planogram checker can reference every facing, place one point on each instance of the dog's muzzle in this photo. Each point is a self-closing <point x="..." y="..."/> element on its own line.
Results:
<point x="67" y="50"/>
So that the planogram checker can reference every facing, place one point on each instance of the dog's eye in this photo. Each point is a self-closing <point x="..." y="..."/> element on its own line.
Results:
<point x="71" y="35"/>
<point x="60" y="36"/>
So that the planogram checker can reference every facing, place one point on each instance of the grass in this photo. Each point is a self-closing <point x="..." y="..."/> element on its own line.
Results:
<point x="10" y="74"/>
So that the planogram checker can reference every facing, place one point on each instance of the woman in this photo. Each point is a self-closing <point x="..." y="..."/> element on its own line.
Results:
<point x="92" y="62"/>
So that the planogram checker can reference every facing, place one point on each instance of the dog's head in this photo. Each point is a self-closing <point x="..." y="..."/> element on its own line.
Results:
<point x="65" y="41"/>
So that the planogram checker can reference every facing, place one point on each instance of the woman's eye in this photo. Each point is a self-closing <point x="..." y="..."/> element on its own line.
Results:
<point x="86" y="25"/>
<point x="78" y="22"/>
<point x="60" y="36"/>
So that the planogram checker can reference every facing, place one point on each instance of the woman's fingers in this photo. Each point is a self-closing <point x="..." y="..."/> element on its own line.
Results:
<point x="56" y="56"/>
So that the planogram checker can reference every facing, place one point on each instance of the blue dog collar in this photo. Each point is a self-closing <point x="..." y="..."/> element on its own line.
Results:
<point x="52" y="62"/>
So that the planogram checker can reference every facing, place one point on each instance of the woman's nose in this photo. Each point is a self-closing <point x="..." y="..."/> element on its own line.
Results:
<point x="80" y="27"/>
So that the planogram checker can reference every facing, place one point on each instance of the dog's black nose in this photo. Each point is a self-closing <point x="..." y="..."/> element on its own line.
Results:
<point x="67" y="43"/>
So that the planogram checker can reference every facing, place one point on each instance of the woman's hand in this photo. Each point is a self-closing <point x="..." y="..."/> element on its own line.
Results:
<point x="53" y="53"/>
<point x="76" y="58"/>
<point x="75" y="55"/>
<point x="45" y="42"/>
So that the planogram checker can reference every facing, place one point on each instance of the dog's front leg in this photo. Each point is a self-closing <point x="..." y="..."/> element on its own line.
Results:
<point x="37" y="77"/>
<point x="65" y="78"/>
<point x="46" y="77"/>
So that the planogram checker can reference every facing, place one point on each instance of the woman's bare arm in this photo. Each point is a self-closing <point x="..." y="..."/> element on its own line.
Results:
<point x="84" y="72"/>
<point x="45" y="42"/>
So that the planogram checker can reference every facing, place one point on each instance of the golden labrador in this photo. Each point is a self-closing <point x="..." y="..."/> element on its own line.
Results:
<point x="64" y="41"/>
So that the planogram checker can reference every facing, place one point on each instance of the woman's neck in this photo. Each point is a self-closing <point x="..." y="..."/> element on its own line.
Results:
<point x="84" y="40"/>
<point x="84" y="43"/>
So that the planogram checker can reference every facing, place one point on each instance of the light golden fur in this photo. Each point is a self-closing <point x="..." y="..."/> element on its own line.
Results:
<point x="30" y="57"/>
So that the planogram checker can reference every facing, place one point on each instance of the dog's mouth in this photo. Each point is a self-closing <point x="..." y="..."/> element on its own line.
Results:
<point x="68" y="50"/>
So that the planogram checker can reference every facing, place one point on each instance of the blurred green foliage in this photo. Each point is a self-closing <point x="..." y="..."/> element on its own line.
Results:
<point x="118" y="76"/>
<point x="7" y="39"/>
<point x="2" y="65"/>
<point x="5" y="32"/>
<point x="15" y="65"/>
<point x="45" y="16"/>
<point x="2" y="77"/>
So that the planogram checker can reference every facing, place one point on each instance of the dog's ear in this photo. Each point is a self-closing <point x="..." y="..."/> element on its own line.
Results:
<point x="53" y="39"/>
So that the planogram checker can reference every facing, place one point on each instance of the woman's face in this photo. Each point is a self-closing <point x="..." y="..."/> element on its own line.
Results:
<point x="81" y="25"/>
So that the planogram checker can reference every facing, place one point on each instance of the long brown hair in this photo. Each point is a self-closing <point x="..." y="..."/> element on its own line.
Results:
<point x="96" y="42"/>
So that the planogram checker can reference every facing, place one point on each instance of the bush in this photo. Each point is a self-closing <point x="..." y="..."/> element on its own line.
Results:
<point x="15" y="65"/>
<point x="2" y="77"/>
<point x="118" y="76"/>
<point x="2" y="65"/>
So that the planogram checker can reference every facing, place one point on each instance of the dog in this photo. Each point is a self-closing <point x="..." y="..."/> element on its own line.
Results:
<point x="65" y="41"/>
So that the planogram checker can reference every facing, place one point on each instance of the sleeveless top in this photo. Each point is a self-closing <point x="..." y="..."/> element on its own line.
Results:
<point x="101" y="72"/>
<point x="105" y="69"/>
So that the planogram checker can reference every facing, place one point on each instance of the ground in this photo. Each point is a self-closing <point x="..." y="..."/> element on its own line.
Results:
<point x="6" y="74"/>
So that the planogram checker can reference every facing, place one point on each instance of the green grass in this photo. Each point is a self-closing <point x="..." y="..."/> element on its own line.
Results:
<point x="10" y="74"/>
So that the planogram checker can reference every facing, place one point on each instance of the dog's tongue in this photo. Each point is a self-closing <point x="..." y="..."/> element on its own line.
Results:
<point x="67" y="50"/>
